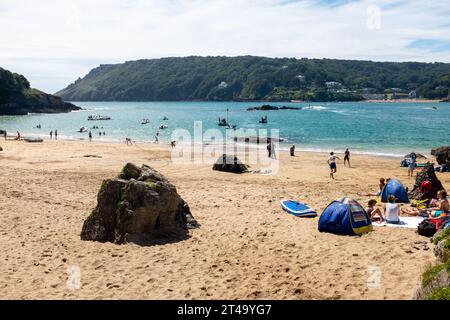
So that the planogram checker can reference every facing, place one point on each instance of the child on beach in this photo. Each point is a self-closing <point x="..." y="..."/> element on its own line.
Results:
<point x="347" y="157"/>
<point x="373" y="210"/>
<point x="332" y="163"/>
<point x="392" y="211"/>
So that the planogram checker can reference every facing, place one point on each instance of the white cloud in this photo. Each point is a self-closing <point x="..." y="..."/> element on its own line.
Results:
<point x="53" y="42"/>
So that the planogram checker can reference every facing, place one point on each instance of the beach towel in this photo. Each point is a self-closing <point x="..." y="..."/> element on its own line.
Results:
<point x="405" y="222"/>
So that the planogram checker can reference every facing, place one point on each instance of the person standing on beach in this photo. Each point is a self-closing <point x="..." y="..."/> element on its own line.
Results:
<point x="347" y="157"/>
<point x="292" y="151"/>
<point x="272" y="147"/>
<point x="56" y="134"/>
<point x="90" y="136"/>
<point x="412" y="164"/>
<point x="332" y="163"/>
<point x="51" y="134"/>
<point x="269" y="148"/>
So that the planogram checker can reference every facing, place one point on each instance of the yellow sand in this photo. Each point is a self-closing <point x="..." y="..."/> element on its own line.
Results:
<point x="247" y="247"/>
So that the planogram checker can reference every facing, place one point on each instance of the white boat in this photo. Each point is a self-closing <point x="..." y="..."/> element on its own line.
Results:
<point x="163" y="126"/>
<point x="83" y="129"/>
<point x="145" y="121"/>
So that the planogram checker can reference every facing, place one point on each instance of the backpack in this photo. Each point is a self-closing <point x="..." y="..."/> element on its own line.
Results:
<point x="426" y="228"/>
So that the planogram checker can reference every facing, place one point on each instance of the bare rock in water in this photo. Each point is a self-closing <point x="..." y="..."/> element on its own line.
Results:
<point x="427" y="174"/>
<point x="139" y="206"/>
<point x="229" y="164"/>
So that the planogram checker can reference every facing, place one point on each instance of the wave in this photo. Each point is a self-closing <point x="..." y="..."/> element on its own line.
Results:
<point x="318" y="108"/>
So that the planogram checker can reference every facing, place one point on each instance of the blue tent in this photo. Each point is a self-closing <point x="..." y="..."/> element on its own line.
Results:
<point x="345" y="216"/>
<point x="395" y="188"/>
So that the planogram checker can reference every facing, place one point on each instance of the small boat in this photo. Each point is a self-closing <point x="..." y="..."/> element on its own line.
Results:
<point x="231" y="126"/>
<point x="82" y="130"/>
<point x="33" y="140"/>
<point x="263" y="120"/>
<point x="165" y="118"/>
<point x="222" y="122"/>
<point x="163" y="126"/>
<point x="145" y="121"/>
<point x="435" y="108"/>
<point x="98" y="118"/>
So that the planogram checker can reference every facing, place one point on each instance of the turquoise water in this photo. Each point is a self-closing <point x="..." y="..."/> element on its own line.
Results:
<point x="384" y="128"/>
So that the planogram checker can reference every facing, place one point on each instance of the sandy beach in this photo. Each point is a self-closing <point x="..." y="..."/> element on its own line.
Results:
<point x="246" y="247"/>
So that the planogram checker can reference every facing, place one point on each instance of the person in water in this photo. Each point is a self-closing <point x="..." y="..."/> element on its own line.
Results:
<point x="347" y="157"/>
<point x="90" y="136"/>
<point x="51" y="134"/>
<point x="332" y="163"/>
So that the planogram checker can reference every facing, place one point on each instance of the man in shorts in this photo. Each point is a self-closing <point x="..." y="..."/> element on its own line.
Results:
<point x="332" y="164"/>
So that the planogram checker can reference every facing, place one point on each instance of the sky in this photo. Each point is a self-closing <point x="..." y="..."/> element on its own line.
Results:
<point x="53" y="42"/>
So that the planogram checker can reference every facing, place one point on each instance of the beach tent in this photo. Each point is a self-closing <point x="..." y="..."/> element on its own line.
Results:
<point x="395" y="188"/>
<point x="345" y="216"/>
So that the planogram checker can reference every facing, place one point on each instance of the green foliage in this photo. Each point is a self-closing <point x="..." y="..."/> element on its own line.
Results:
<point x="255" y="78"/>
<point x="431" y="273"/>
<point x="441" y="294"/>
<point x="444" y="234"/>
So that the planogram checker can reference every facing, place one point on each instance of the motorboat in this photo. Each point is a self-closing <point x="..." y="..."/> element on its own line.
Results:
<point x="145" y="121"/>
<point x="98" y="118"/>
<point x="83" y="129"/>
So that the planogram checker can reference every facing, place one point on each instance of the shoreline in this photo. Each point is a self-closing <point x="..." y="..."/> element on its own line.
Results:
<point x="284" y="147"/>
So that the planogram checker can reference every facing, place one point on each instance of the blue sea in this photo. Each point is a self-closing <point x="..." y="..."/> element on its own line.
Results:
<point x="390" y="129"/>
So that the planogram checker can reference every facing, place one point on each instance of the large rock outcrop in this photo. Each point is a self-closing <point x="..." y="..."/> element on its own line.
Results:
<point x="18" y="98"/>
<point x="442" y="155"/>
<point x="139" y="206"/>
<point x="427" y="174"/>
<point x="231" y="164"/>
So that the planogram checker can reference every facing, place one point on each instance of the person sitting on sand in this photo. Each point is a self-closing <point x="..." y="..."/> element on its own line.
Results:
<point x="392" y="211"/>
<point x="377" y="194"/>
<point x="373" y="210"/>
<point x="173" y="144"/>
<point x="437" y="208"/>
<point x="332" y="163"/>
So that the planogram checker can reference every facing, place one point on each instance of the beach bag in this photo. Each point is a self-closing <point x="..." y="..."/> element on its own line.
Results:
<point x="426" y="228"/>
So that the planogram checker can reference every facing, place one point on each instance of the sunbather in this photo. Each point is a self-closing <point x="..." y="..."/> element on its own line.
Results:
<point x="436" y="207"/>
<point x="392" y="210"/>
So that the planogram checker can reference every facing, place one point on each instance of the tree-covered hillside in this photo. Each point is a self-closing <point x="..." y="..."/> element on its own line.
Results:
<point x="18" y="98"/>
<point x="258" y="78"/>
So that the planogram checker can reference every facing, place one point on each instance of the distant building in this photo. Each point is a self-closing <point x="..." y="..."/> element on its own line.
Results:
<point x="223" y="85"/>
<point x="412" y="94"/>
<point x="301" y="77"/>
<point x="333" y="85"/>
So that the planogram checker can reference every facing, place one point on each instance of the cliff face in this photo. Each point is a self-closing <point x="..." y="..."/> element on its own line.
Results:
<point x="17" y="98"/>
